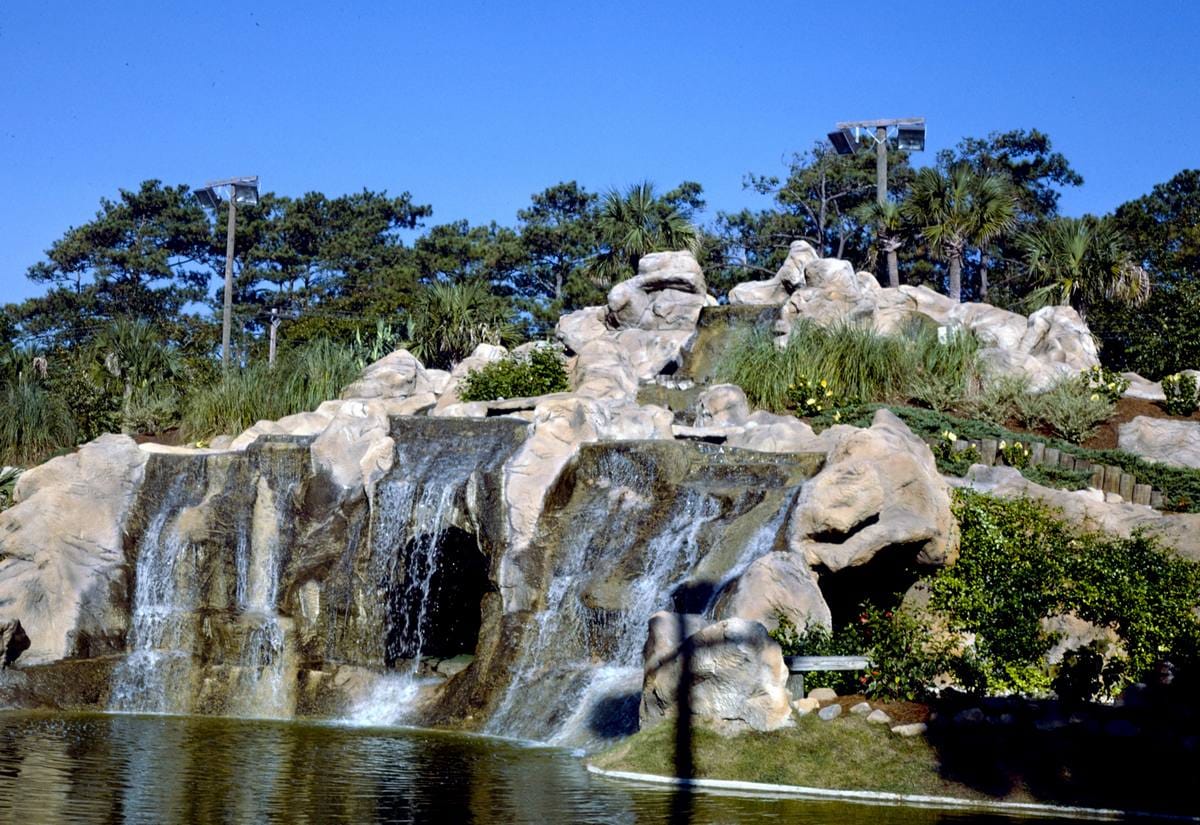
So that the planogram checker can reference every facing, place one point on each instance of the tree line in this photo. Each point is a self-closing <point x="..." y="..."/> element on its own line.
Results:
<point x="130" y="312"/>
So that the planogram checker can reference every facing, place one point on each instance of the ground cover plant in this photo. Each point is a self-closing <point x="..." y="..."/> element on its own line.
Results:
<point x="537" y="372"/>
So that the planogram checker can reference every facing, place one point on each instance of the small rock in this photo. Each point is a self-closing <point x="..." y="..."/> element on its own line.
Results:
<point x="451" y="667"/>
<point x="879" y="717"/>
<point x="912" y="729"/>
<point x="829" y="712"/>
<point x="861" y="709"/>
<point x="803" y="707"/>
<point x="822" y="694"/>
<point x="970" y="716"/>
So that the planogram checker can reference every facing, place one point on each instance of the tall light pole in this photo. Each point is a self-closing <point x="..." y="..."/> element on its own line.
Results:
<point x="909" y="136"/>
<point x="239" y="190"/>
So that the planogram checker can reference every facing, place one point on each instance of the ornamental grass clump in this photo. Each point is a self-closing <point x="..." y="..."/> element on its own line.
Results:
<point x="1180" y="390"/>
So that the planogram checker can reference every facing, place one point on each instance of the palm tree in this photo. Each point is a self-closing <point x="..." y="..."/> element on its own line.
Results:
<point x="890" y="230"/>
<point x="134" y="354"/>
<point x="447" y="321"/>
<point x="1080" y="261"/>
<point x="958" y="210"/>
<point x="632" y="225"/>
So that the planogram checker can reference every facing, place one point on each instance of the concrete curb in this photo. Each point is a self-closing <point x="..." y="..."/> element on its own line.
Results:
<point x="885" y="798"/>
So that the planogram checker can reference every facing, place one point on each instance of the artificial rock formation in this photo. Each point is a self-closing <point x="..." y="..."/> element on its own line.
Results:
<point x="1170" y="442"/>
<point x="733" y="671"/>
<point x="290" y="560"/>
<point x="1048" y="346"/>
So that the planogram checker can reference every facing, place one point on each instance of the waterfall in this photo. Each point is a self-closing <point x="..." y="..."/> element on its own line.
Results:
<point x="205" y="627"/>
<point x="163" y="601"/>
<point x="559" y="693"/>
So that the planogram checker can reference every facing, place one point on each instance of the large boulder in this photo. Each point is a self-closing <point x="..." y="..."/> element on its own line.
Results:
<point x="1175" y="443"/>
<point x="733" y="671"/>
<point x="398" y="375"/>
<point x="667" y="294"/>
<point x="787" y="280"/>
<point x="63" y="570"/>
<point x="773" y="584"/>
<point x="880" y="489"/>
<point x="722" y="405"/>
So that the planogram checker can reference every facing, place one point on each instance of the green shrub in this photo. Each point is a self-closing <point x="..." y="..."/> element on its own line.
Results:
<point x="1020" y="563"/>
<point x="951" y="461"/>
<point x="1104" y="382"/>
<point x="1015" y="453"/>
<point x="1002" y="400"/>
<point x="1071" y="411"/>
<point x="1180" y="390"/>
<point x="905" y="658"/>
<point x="94" y="409"/>
<point x="538" y="372"/>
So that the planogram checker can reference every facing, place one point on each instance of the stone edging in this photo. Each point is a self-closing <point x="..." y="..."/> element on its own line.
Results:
<point x="886" y="798"/>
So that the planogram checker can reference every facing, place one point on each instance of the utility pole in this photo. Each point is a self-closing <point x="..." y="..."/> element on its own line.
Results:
<point x="227" y="314"/>
<point x="271" y="348"/>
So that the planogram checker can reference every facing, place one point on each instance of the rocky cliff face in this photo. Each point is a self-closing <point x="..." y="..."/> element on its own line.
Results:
<point x="397" y="554"/>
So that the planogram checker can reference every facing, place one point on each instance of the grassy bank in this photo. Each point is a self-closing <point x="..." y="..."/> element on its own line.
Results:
<point x="848" y="753"/>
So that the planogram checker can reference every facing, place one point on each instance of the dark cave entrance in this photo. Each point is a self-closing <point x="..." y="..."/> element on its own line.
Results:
<point x="434" y="610"/>
<point x="883" y="581"/>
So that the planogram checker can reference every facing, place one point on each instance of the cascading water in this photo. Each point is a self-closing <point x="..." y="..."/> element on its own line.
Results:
<point x="424" y="498"/>
<point x="206" y="586"/>
<point x="643" y="523"/>
<point x="163" y="602"/>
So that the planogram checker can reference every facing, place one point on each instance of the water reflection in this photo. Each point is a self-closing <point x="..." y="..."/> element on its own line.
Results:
<point x="130" y="769"/>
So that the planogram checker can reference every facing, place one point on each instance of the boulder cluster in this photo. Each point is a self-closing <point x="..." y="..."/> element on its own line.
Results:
<point x="62" y="557"/>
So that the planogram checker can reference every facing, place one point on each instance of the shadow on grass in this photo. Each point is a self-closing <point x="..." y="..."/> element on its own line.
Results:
<point x="1142" y="755"/>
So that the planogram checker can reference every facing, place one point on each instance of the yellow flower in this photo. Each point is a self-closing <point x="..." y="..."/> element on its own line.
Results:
<point x="837" y="416"/>
<point x="823" y="384"/>
<point x="811" y="401"/>
<point x="1095" y="397"/>
<point x="828" y="393"/>
<point x="1002" y="445"/>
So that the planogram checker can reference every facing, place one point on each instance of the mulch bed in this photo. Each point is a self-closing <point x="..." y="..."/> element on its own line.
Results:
<point x="1127" y="410"/>
<point x="902" y="713"/>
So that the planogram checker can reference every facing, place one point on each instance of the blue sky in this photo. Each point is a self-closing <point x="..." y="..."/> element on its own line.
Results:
<point x="474" y="106"/>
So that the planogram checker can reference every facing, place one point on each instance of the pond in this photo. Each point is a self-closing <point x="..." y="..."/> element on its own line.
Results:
<point x="58" y="768"/>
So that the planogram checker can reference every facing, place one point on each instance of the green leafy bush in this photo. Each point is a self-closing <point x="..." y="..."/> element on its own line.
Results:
<point x="1104" y="382"/>
<point x="905" y="656"/>
<point x="1071" y="412"/>
<point x="1020" y="563"/>
<point x="1059" y="477"/>
<point x="538" y="372"/>
<point x="953" y="461"/>
<point x="1015" y="453"/>
<point x="1180" y="390"/>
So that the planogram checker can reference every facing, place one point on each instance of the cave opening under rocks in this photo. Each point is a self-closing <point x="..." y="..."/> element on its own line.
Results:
<point x="442" y="620"/>
<point x="882" y="581"/>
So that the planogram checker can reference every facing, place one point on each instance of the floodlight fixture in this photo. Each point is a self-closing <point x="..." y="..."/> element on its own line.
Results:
<point x="911" y="138"/>
<point x="245" y="193"/>
<point x="208" y="199"/>
<point x="844" y="142"/>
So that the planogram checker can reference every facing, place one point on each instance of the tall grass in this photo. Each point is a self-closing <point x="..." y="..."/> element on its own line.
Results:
<point x="301" y="380"/>
<point x="34" y="423"/>
<point x="858" y="365"/>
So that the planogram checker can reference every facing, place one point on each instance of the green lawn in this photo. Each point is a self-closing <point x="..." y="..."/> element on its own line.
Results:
<point x="846" y="753"/>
